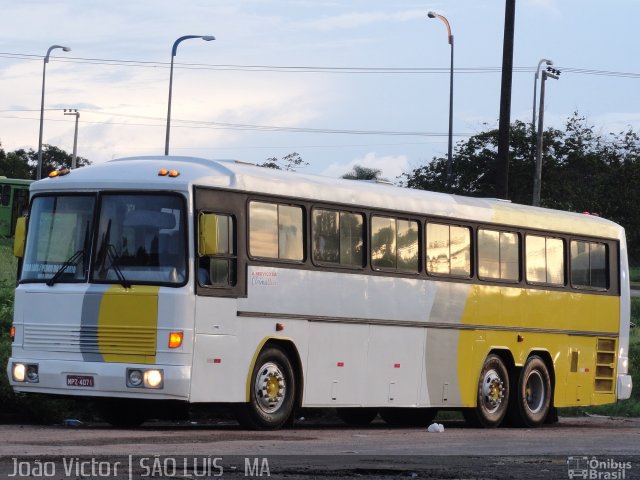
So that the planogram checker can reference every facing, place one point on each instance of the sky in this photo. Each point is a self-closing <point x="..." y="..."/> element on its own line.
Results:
<point x="341" y="83"/>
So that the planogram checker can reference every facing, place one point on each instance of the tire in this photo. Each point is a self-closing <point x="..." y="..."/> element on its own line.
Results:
<point x="492" y="395"/>
<point x="123" y="413"/>
<point x="408" y="417"/>
<point x="357" y="416"/>
<point x="531" y="400"/>
<point x="272" y="392"/>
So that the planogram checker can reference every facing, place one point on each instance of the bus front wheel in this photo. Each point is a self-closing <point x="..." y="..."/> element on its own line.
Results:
<point x="271" y="392"/>
<point x="492" y="395"/>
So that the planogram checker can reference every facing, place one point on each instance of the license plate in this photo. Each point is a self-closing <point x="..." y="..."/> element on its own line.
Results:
<point x="79" y="381"/>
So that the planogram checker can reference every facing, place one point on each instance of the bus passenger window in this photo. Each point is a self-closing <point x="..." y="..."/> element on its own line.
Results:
<point x="394" y="244"/>
<point x="5" y="195"/>
<point x="498" y="255"/>
<point x="589" y="265"/>
<point x="383" y="243"/>
<point x="217" y="252"/>
<point x="545" y="260"/>
<point x="337" y="238"/>
<point x="276" y="231"/>
<point x="448" y="250"/>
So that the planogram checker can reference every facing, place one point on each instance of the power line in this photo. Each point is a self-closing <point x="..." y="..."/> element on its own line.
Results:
<point x="194" y="124"/>
<point x="309" y="69"/>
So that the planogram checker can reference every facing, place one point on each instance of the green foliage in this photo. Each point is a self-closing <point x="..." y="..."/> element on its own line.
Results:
<point x="363" y="173"/>
<point x="583" y="171"/>
<point x="290" y="162"/>
<point x="24" y="163"/>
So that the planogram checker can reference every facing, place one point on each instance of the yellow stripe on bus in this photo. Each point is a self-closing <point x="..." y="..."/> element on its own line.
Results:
<point x="503" y="306"/>
<point x="128" y="324"/>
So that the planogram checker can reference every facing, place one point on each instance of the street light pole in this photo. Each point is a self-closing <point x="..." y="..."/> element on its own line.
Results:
<point x="535" y="85"/>
<point x="450" y="143"/>
<point x="537" y="179"/>
<point x="206" y="38"/>
<point x="44" y="71"/>
<point x="75" y="136"/>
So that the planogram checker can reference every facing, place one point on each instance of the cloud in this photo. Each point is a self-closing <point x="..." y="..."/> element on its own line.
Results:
<point x="356" y="20"/>
<point x="392" y="166"/>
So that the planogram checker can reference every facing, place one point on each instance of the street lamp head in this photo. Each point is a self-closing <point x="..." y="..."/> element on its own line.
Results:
<point x="431" y="14"/>
<point x="66" y="49"/>
<point x="208" y="38"/>
<point x="548" y="62"/>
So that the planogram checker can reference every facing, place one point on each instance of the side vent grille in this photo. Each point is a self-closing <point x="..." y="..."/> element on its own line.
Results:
<point x="605" y="365"/>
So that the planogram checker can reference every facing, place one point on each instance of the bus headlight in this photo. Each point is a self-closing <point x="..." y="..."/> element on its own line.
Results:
<point x="137" y="378"/>
<point x="25" y="373"/>
<point x="19" y="372"/>
<point x="153" y="379"/>
<point x="134" y="378"/>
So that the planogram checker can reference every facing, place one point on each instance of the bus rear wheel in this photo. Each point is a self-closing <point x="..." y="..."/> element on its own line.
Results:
<point x="492" y="395"/>
<point x="532" y="397"/>
<point x="408" y="417"/>
<point x="271" y="392"/>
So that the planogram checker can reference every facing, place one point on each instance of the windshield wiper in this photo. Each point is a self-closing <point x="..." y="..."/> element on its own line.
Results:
<point x="73" y="260"/>
<point x="113" y="256"/>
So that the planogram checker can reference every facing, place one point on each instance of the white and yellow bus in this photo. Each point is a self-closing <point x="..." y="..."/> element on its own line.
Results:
<point x="153" y="281"/>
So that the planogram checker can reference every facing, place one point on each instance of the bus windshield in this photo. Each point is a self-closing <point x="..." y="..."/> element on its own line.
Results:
<point x="139" y="239"/>
<point x="60" y="230"/>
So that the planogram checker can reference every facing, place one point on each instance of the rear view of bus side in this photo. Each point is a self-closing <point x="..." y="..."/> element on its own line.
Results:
<point x="155" y="281"/>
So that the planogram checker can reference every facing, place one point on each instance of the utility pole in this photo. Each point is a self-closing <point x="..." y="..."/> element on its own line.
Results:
<point x="75" y="136"/>
<point x="502" y="162"/>
<point x="537" y="179"/>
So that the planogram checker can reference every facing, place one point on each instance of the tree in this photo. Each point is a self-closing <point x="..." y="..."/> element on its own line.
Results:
<point x="23" y="163"/>
<point x="290" y="162"/>
<point x="363" y="173"/>
<point x="583" y="171"/>
<point x="15" y="165"/>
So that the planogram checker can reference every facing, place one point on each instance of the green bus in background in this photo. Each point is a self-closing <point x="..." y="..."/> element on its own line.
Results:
<point x="14" y="198"/>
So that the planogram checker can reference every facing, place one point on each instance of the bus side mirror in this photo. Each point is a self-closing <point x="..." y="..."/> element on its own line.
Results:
<point x="208" y="234"/>
<point x="18" y="240"/>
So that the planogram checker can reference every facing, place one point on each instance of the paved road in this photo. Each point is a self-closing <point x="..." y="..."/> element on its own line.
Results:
<point x="332" y="451"/>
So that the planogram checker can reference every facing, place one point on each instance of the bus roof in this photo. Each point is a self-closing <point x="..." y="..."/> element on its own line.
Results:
<point x="141" y="173"/>
<point x="14" y="181"/>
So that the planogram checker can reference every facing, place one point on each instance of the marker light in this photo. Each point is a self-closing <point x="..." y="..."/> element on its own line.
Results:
<point x="174" y="173"/>
<point x="153" y="378"/>
<point x="13" y="333"/>
<point x="19" y="372"/>
<point x="175" y="339"/>
<point x="163" y="172"/>
<point x="59" y="173"/>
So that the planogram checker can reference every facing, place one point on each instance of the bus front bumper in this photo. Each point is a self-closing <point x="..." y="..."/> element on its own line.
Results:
<point x="98" y="379"/>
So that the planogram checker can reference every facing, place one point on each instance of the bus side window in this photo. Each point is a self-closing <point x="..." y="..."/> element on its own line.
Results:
<point x="276" y="231"/>
<point x="448" y="250"/>
<point x="545" y="260"/>
<point x="5" y="196"/>
<point x="337" y="238"/>
<point x="589" y="266"/>
<point x="217" y="263"/>
<point x="394" y="244"/>
<point x="498" y="255"/>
